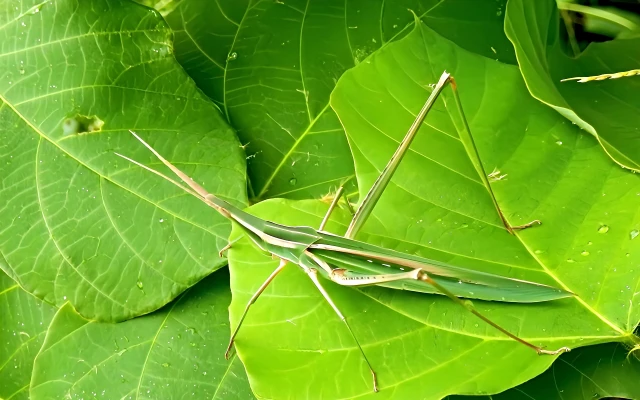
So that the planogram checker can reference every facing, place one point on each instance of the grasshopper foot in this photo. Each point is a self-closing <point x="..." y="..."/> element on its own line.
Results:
<point x="525" y="226"/>
<point x="225" y="248"/>
<point x="554" y="352"/>
<point x="229" y="351"/>
<point x="375" y="382"/>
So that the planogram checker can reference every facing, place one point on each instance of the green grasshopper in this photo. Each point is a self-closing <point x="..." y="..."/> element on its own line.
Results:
<point x="349" y="262"/>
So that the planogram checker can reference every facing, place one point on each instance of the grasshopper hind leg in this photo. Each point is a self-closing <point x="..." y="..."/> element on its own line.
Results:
<point x="341" y="278"/>
<point x="423" y="276"/>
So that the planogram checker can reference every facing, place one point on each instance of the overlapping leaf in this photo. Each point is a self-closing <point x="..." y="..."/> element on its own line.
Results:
<point x="425" y="346"/>
<point x="593" y="372"/>
<point x="272" y="66"/>
<point x="174" y="353"/>
<point x="607" y="109"/>
<point x="24" y="323"/>
<point x="78" y="223"/>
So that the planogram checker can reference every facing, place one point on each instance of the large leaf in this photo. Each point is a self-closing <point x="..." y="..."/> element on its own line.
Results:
<point x="607" y="109"/>
<point x="24" y="323"/>
<point x="203" y="35"/>
<point x="272" y="66"/>
<point x="174" y="353"/>
<point x="593" y="372"/>
<point x="292" y="343"/>
<point x="425" y="346"/>
<point x="80" y="224"/>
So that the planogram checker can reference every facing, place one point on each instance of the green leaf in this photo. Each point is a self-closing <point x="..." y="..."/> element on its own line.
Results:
<point x="24" y="323"/>
<point x="608" y="109"/>
<point x="80" y="224"/>
<point x="593" y="372"/>
<point x="203" y="35"/>
<point x="436" y="206"/>
<point x="174" y="353"/>
<point x="272" y="66"/>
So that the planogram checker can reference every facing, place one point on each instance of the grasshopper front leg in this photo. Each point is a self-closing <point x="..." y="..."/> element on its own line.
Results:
<point x="332" y="206"/>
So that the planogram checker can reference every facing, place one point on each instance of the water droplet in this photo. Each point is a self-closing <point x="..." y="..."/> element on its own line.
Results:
<point x="603" y="229"/>
<point x="192" y="344"/>
<point x="35" y="9"/>
<point x="585" y="253"/>
<point x="166" y="365"/>
<point x="293" y="181"/>
<point x="139" y="284"/>
<point x="191" y="330"/>
<point x="559" y="142"/>
<point x="634" y="234"/>
<point x="161" y="220"/>
<point x="232" y="56"/>
<point x="570" y="260"/>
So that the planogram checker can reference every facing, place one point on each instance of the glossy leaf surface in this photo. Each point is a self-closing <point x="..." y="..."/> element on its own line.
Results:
<point x="606" y="109"/>
<point x="437" y="207"/>
<point x="272" y="65"/>
<point x="593" y="372"/>
<point x="79" y="223"/>
<point x="174" y="353"/>
<point x="24" y="324"/>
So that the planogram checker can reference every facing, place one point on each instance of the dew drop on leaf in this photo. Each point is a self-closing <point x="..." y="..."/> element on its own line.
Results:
<point x="634" y="234"/>
<point x="232" y="56"/>
<point x="293" y="181"/>
<point x="603" y="229"/>
<point x="139" y="284"/>
<point x="585" y="253"/>
<point x="166" y="365"/>
<point x="35" y="9"/>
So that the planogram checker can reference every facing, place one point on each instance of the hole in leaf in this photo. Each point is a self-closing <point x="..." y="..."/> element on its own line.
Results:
<point x="81" y="124"/>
